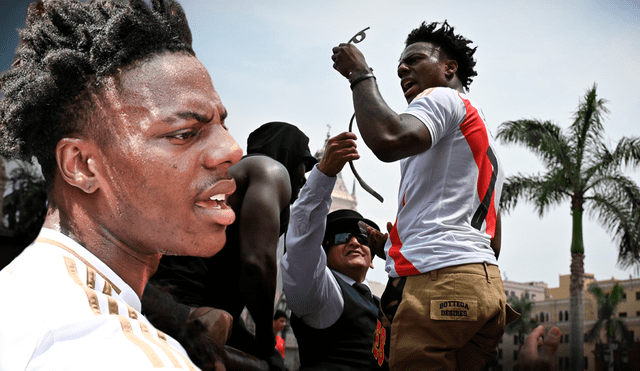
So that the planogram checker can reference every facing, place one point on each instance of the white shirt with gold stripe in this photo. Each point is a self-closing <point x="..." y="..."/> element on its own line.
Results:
<point x="61" y="308"/>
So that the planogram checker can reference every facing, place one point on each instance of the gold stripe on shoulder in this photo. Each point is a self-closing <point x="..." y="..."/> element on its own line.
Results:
<point x="165" y="348"/>
<point x="70" y="251"/>
<point x="146" y="348"/>
<point x="113" y="305"/>
<point x="132" y="313"/>
<point x="425" y="93"/>
<point x="107" y="288"/>
<point x="163" y="339"/>
<point x="92" y="297"/>
<point x="91" y="278"/>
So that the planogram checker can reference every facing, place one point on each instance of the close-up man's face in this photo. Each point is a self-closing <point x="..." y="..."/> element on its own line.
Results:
<point x="344" y="257"/>
<point x="421" y="67"/>
<point x="165" y="164"/>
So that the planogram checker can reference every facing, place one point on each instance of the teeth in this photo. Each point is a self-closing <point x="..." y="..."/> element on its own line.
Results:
<point x="218" y="198"/>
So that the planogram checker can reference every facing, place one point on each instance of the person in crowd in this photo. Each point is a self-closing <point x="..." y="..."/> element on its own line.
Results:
<point x="324" y="271"/>
<point x="447" y="227"/>
<point x="279" y="323"/>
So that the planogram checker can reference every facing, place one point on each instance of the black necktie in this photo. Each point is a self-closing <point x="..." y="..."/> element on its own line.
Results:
<point x="364" y="290"/>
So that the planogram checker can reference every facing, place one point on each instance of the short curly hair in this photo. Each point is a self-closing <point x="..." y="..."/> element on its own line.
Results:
<point x="66" y="50"/>
<point x="455" y="46"/>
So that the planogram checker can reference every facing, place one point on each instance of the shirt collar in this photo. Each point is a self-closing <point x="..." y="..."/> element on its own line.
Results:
<point x="55" y="238"/>
<point x="350" y="280"/>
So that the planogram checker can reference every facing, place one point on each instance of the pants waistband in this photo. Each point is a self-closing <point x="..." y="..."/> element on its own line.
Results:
<point x="488" y="270"/>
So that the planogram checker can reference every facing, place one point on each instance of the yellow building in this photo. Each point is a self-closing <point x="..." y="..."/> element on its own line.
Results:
<point x="552" y="309"/>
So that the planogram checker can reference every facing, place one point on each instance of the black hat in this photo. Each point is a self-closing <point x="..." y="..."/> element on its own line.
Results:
<point x="284" y="143"/>
<point x="345" y="220"/>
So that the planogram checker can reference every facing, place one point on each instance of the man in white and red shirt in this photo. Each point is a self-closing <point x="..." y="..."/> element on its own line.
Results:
<point x="445" y="297"/>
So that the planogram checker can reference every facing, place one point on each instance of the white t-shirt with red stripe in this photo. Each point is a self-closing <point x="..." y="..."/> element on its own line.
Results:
<point x="448" y="194"/>
<point x="64" y="309"/>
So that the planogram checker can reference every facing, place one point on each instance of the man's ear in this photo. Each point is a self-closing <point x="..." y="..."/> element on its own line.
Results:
<point x="76" y="162"/>
<point x="450" y="68"/>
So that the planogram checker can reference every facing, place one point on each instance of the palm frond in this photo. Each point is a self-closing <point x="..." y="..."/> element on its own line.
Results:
<point x="541" y="191"/>
<point x="615" y="204"/>
<point x="587" y="129"/>
<point x="544" y="138"/>
<point x="604" y="161"/>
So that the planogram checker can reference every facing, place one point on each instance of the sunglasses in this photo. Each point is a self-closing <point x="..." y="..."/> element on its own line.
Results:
<point x="340" y="238"/>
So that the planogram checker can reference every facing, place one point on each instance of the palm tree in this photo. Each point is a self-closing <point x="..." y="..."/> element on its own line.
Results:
<point x="581" y="169"/>
<point x="606" y="318"/>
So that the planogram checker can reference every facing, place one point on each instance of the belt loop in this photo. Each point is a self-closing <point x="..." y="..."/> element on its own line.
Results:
<point x="434" y="275"/>
<point x="486" y="272"/>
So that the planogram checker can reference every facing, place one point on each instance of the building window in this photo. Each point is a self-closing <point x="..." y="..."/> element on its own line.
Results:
<point x="561" y="341"/>
<point x="546" y="315"/>
<point x="624" y="296"/>
<point x="515" y="355"/>
<point x="513" y="293"/>
<point x="586" y="363"/>
<point x="622" y="314"/>
<point x="560" y="363"/>
<point x="541" y="317"/>
<point x="566" y="315"/>
<point x="638" y="313"/>
<point x="566" y="363"/>
<point x="533" y="297"/>
<point x="515" y="339"/>
<point x="566" y="338"/>
<point x="637" y="295"/>
<point x="560" y="316"/>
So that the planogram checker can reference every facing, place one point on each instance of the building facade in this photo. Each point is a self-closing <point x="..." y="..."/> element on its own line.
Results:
<point x="550" y="307"/>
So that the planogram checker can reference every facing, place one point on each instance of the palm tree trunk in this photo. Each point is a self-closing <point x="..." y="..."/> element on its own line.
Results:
<point x="576" y="312"/>
<point x="576" y="306"/>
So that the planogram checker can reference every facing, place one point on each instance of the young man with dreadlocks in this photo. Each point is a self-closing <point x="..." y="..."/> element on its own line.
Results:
<point x="110" y="99"/>
<point x="444" y="303"/>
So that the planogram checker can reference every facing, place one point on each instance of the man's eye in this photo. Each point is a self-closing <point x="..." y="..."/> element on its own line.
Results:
<point x="183" y="135"/>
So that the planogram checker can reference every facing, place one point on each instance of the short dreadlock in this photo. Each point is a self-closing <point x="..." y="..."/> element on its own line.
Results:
<point x="455" y="46"/>
<point x="66" y="50"/>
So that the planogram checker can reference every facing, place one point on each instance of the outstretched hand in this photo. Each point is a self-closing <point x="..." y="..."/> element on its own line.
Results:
<point x="339" y="150"/>
<point x="537" y="354"/>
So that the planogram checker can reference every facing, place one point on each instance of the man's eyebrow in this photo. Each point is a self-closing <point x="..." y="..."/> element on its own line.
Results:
<point x="193" y="115"/>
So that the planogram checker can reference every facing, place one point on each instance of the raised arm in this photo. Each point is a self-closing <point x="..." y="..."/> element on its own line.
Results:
<point x="267" y="194"/>
<point x="312" y="291"/>
<point x="391" y="136"/>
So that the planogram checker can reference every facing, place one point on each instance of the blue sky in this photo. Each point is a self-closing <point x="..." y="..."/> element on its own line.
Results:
<point x="270" y="61"/>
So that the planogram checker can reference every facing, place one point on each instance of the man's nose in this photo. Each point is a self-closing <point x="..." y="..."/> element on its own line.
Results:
<point x="221" y="149"/>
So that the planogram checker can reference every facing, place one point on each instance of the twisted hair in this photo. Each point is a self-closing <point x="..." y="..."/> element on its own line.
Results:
<point x="455" y="46"/>
<point x="66" y="50"/>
